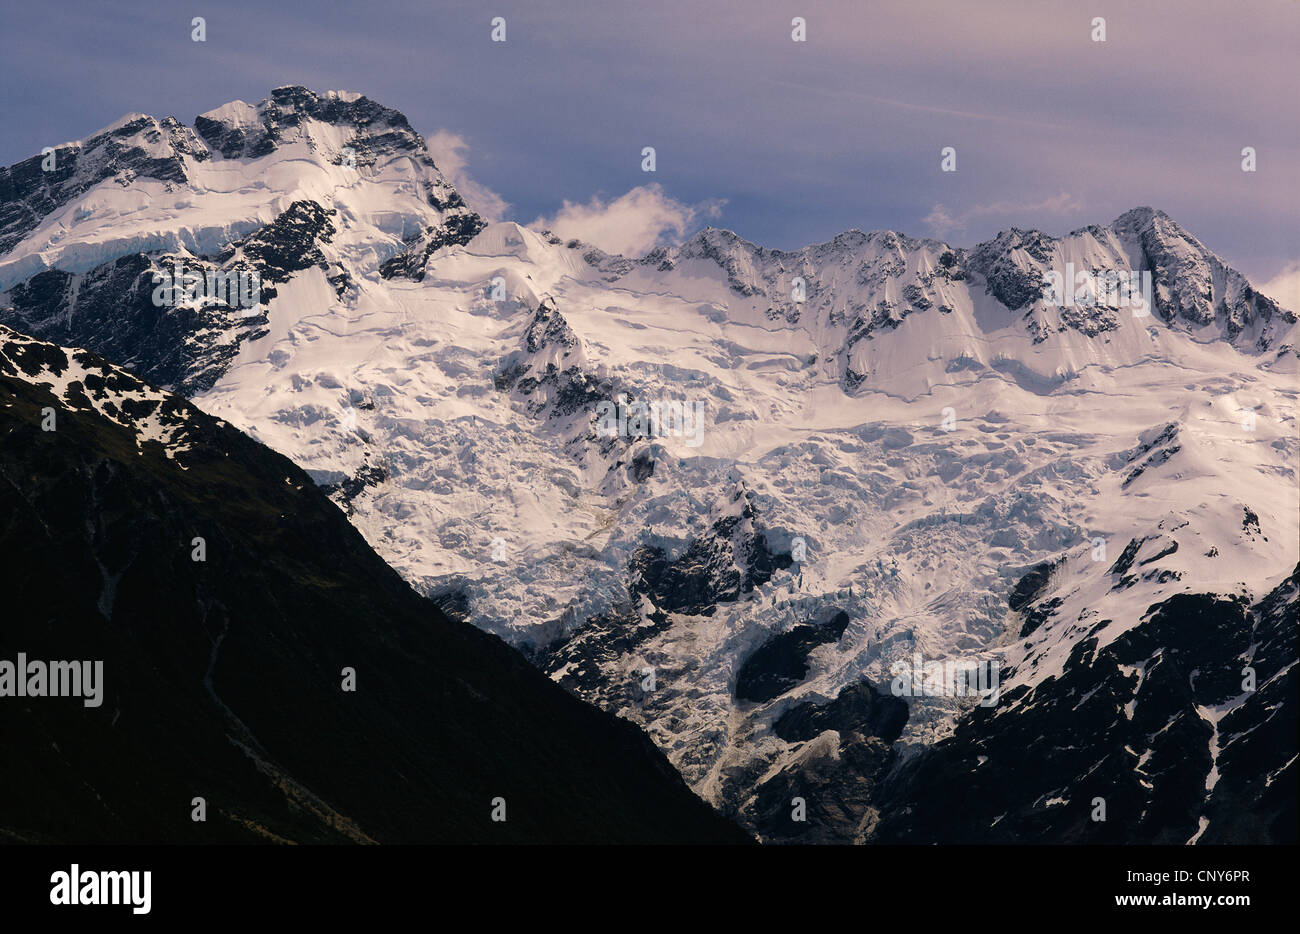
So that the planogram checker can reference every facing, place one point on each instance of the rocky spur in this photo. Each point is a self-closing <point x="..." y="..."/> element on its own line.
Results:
<point x="31" y="678"/>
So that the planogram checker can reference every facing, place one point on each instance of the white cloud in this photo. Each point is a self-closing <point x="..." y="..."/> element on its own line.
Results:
<point x="1284" y="288"/>
<point x="942" y="222"/>
<point x="448" y="150"/>
<point x="632" y="224"/>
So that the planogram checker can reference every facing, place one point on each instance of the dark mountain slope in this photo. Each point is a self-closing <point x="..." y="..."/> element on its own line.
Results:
<point x="1159" y="724"/>
<point x="222" y="678"/>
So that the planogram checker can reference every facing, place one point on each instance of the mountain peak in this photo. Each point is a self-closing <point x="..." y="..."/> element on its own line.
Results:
<point x="1141" y="213"/>
<point x="238" y="129"/>
<point x="1144" y="221"/>
<point x="131" y="119"/>
<point x="333" y="146"/>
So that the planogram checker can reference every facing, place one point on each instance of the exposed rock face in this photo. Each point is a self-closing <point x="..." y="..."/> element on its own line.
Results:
<point x="1031" y="585"/>
<point x="1182" y="729"/>
<point x="379" y="134"/>
<point x="247" y="132"/>
<point x="459" y="227"/>
<point x="185" y="345"/>
<point x="289" y="244"/>
<point x="584" y="660"/>
<point x="135" y="146"/>
<point x="1014" y="284"/>
<point x="868" y="284"/>
<point x="731" y="560"/>
<point x="549" y="372"/>
<point x="824" y="795"/>
<point x="106" y="305"/>
<point x="859" y="708"/>
<point x="1192" y="284"/>
<point x="782" y="662"/>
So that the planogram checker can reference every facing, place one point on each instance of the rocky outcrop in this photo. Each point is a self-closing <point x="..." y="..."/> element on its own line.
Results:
<point x="184" y="345"/>
<point x="136" y="146"/>
<point x="1181" y="729"/>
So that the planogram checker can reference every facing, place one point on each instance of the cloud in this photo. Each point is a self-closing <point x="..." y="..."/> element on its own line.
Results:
<point x="448" y="150"/>
<point x="942" y="222"/>
<point x="1284" y="288"/>
<point x="632" y="224"/>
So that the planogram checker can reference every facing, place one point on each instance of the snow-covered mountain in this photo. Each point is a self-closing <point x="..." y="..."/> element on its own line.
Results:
<point x="864" y="451"/>
<point x="248" y="188"/>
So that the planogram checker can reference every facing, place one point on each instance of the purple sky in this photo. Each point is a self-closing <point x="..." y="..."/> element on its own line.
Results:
<point x="796" y="141"/>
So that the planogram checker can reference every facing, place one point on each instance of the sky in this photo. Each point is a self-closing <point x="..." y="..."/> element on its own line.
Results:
<point x="787" y="143"/>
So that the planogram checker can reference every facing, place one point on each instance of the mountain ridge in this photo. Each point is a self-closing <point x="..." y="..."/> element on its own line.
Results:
<point x="915" y="441"/>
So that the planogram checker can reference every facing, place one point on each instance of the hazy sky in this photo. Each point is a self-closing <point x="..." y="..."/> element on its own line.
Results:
<point x="785" y="142"/>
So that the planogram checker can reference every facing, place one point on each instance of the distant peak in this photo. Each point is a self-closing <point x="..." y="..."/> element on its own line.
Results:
<point x="1143" y="218"/>
<point x="1156" y="230"/>
<point x="131" y="119"/>
<point x="1141" y="213"/>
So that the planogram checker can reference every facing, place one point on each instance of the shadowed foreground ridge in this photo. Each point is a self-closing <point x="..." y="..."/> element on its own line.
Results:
<point x="222" y="678"/>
